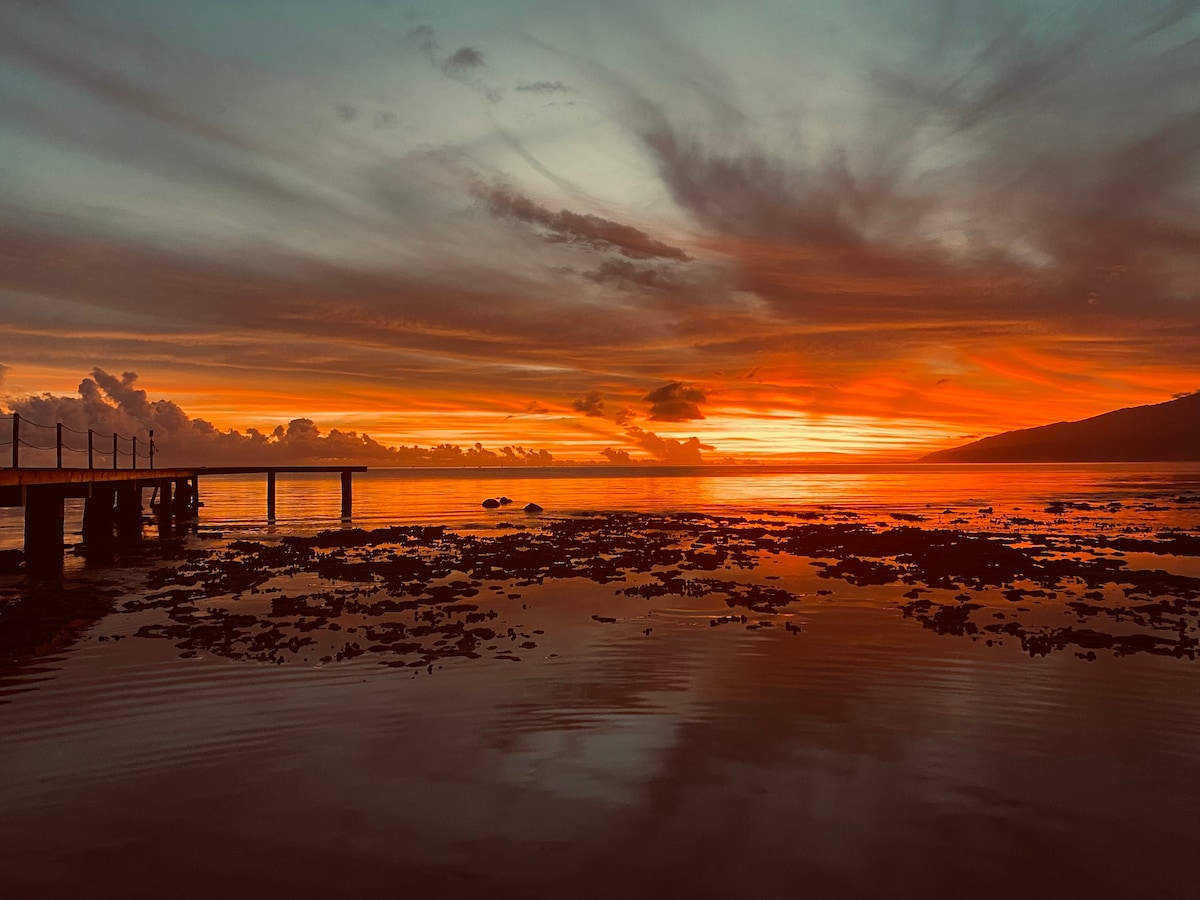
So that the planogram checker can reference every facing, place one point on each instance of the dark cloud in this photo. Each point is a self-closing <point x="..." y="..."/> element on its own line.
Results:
<point x="591" y="404"/>
<point x="464" y="59"/>
<point x="623" y="273"/>
<point x="671" y="451"/>
<point x="675" y="402"/>
<point x="579" y="229"/>
<point x="543" y="87"/>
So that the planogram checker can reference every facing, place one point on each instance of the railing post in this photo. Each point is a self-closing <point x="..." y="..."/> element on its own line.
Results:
<point x="16" y="440"/>
<point x="114" y="449"/>
<point x="151" y="448"/>
<point x="90" y="436"/>
<point x="58" y="442"/>
<point x="133" y="454"/>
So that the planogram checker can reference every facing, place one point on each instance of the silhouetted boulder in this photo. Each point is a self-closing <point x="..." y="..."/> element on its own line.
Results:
<point x="532" y="507"/>
<point x="504" y="501"/>
<point x="491" y="503"/>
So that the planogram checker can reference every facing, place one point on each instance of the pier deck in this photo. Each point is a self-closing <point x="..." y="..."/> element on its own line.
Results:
<point x="113" y="500"/>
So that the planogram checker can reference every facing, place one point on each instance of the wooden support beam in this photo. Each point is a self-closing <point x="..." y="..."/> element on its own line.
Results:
<point x="43" y="529"/>
<point x="181" y="508"/>
<point x="165" y="513"/>
<point x="129" y="512"/>
<point x="166" y="502"/>
<point x="347" y="494"/>
<point x="99" y="516"/>
<point x="271" y="496"/>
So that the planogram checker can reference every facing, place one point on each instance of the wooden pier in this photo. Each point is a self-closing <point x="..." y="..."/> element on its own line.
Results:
<point x="113" y="501"/>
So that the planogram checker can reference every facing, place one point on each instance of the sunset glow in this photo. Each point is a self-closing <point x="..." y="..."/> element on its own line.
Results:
<point x="682" y="234"/>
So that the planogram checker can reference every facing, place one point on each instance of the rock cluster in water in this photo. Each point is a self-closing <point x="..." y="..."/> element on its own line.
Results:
<point x="417" y="596"/>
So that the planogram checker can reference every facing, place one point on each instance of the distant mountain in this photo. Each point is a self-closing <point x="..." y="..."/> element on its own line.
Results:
<point x="1162" y="432"/>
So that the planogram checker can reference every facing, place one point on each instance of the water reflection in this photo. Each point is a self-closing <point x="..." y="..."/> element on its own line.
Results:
<point x="851" y="701"/>
<point x="41" y="622"/>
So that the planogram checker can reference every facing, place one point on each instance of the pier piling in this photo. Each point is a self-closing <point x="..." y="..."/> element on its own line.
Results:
<point x="113" y="500"/>
<point x="43" y="528"/>
<point x="129" y="512"/>
<point x="99" y="517"/>
<point x="347" y="494"/>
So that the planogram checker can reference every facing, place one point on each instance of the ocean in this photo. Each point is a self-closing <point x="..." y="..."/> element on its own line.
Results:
<point x="839" y="681"/>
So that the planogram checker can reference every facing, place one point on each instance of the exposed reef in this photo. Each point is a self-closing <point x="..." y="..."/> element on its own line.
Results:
<point x="416" y="596"/>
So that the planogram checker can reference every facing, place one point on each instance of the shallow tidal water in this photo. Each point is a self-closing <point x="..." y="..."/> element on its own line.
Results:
<point x="778" y="685"/>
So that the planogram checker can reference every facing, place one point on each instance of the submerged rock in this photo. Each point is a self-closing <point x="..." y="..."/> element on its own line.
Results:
<point x="491" y="503"/>
<point x="532" y="507"/>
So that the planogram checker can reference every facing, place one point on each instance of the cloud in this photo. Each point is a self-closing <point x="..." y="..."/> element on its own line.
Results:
<point x="464" y="59"/>
<point x="542" y="87"/>
<point x="624" y="273"/>
<point x="109" y="404"/>
<point x="592" y="232"/>
<point x="591" y="404"/>
<point x="675" y="402"/>
<point x="669" y="450"/>
<point x="422" y="39"/>
<point x="618" y="457"/>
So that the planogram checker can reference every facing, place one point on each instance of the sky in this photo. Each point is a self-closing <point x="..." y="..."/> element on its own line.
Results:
<point x="654" y="230"/>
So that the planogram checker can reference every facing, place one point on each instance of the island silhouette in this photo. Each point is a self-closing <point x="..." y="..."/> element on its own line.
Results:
<point x="1160" y="432"/>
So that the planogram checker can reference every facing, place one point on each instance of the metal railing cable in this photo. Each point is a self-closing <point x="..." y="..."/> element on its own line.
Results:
<point x="25" y="443"/>
<point x="122" y="445"/>
<point x="33" y="424"/>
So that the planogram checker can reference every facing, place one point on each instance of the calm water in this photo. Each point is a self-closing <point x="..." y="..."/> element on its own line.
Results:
<point x="830" y="746"/>
<point x="306" y="502"/>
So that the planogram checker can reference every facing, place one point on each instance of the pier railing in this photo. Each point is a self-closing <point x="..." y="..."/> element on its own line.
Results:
<point x="92" y="444"/>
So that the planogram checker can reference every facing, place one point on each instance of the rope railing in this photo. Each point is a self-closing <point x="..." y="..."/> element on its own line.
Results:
<point x="106" y="446"/>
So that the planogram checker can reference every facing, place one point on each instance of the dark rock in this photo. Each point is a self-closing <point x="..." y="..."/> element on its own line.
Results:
<point x="491" y="503"/>
<point x="532" y="507"/>
<point x="504" y="501"/>
<point x="10" y="561"/>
